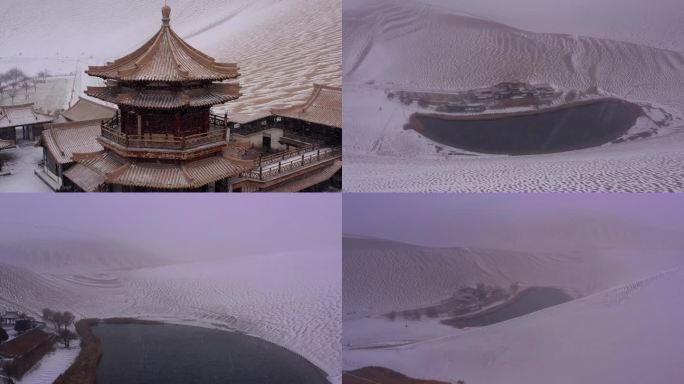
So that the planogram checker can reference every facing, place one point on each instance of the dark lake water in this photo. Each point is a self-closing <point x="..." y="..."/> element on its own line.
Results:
<point x="567" y="129"/>
<point x="173" y="354"/>
<point x="530" y="300"/>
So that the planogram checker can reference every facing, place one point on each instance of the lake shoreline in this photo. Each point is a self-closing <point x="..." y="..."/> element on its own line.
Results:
<point x="567" y="127"/>
<point x="85" y="367"/>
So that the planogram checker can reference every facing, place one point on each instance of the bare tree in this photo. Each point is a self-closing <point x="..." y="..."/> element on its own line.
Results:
<point x="65" y="336"/>
<point x="59" y="320"/>
<point x="12" y="93"/>
<point x="25" y="84"/>
<point x="15" y="74"/>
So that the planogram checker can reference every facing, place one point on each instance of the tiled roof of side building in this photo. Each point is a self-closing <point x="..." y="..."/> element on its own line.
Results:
<point x="85" y="109"/>
<point x="87" y="179"/>
<point x="21" y="345"/>
<point x="24" y="114"/>
<point x="63" y="140"/>
<point x="246" y="118"/>
<point x="310" y="180"/>
<point x="324" y="106"/>
<point x="166" y="57"/>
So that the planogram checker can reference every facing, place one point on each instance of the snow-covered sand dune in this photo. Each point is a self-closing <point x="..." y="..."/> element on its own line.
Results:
<point x="453" y="51"/>
<point x="291" y="299"/>
<point x="282" y="47"/>
<point x="629" y="333"/>
<point x="382" y="276"/>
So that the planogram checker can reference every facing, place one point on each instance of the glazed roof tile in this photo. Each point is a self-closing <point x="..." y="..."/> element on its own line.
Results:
<point x="166" y="57"/>
<point x="324" y="106"/>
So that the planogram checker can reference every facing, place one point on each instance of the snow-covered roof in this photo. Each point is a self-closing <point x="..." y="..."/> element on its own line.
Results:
<point x="324" y="107"/>
<point x="212" y="94"/>
<point x="63" y="140"/>
<point x="10" y="315"/>
<point x="166" y="57"/>
<point x="85" y="109"/>
<point x="117" y="170"/>
<point x="246" y="118"/>
<point x="311" y="179"/>
<point x="24" y="344"/>
<point x="23" y="114"/>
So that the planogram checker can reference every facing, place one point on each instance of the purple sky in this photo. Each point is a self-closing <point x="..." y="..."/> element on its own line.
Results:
<point x="517" y="220"/>
<point x="183" y="225"/>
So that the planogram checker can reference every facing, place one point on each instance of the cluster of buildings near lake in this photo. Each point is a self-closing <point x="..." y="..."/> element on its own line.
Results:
<point x="156" y="131"/>
<point x="499" y="96"/>
<point x="27" y="343"/>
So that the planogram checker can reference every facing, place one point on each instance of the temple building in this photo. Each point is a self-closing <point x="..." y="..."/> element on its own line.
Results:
<point x="60" y="142"/>
<point x="164" y="137"/>
<point x="24" y="116"/>
<point x="301" y="146"/>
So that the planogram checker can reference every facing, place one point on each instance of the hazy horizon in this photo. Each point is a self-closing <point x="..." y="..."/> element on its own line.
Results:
<point x="180" y="227"/>
<point x="514" y="220"/>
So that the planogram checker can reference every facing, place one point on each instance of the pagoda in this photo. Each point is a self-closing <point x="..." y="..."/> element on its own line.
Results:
<point x="163" y="136"/>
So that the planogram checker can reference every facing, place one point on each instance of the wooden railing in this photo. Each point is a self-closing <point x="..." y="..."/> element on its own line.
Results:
<point x="272" y="159"/>
<point x="162" y="141"/>
<point x="218" y="122"/>
<point x="111" y="132"/>
<point x="265" y="172"/>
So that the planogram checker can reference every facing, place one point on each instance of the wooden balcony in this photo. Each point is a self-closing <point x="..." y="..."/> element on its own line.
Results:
<point x="278" y="165"/>
<point x="162" y="146"/>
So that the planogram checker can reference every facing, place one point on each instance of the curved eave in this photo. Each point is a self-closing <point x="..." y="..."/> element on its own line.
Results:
<point x="166" y="57"/>
<point x="163" y="79"/>
<point x="177" y="100"/>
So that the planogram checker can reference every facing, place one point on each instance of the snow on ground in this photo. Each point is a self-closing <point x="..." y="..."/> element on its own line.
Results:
<point x="632" y="330"/>
<point x="619" y="256"/>
<point x="656" y="23"/>
<point x="49" y="96"/>
<point x="51" y="366"/>
<point x="455" y="52"/>
<point x="291" y="299"/>
<point x="20" y="162"/>
<point x="379" y="332"/>
<point x="382" y="276"/>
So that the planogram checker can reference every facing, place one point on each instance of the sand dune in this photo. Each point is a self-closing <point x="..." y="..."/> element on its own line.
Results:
<point x="293" y="300"/>
<point x="382" y="276"/>
<point x="630" y="329"/>
<point x="451" y="51"/>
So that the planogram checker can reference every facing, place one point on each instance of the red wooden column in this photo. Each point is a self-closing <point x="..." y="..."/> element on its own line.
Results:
<point x="177" y="123"/>
<point x="205" y="121"/>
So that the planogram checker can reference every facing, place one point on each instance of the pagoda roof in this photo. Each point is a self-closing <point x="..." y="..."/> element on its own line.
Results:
<point x="22" y="114"/>
<point x="86" y="109"/>
<point x="324" y="107"/>
<point x="166" y="57"/>
<point x="212" y="94"/>
<point x="107" y="167"/>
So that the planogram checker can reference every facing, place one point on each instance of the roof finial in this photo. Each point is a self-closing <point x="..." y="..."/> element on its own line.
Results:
<point x="166" y="14"/>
